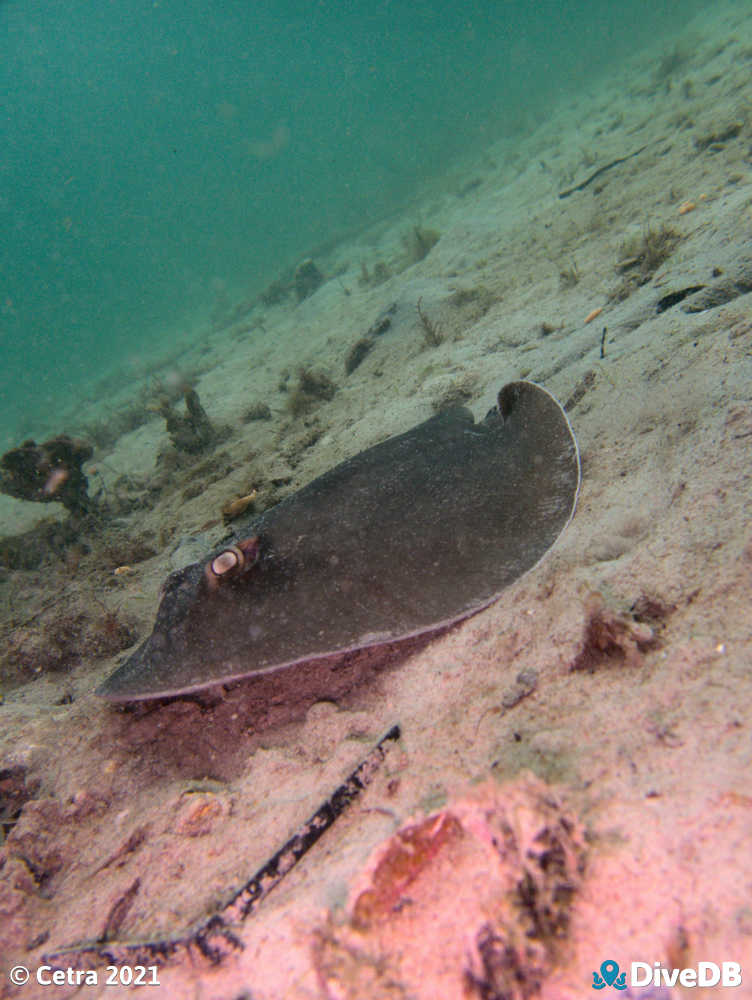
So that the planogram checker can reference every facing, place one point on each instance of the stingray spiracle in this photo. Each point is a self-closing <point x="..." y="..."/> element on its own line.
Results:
<point x="232" y="562"/>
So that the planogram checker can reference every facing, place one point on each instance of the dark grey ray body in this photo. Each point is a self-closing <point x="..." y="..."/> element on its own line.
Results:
<point x="417" y="532"/>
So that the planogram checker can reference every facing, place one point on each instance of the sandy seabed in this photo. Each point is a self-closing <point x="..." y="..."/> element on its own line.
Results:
<point x="573" y="779"/>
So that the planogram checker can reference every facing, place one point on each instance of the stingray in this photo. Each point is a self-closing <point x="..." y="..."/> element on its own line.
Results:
<point x="411" y="535"/>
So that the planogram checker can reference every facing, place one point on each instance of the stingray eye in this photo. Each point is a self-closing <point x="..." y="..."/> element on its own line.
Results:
<point x="227" y="562"/>
<point x="231" y="562"/>
<point x="224" y="566"/>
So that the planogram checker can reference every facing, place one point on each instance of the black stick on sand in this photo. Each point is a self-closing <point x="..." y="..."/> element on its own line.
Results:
<point x="213" y="938"/>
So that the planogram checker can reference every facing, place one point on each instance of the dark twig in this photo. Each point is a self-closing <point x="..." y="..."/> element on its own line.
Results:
<point x="214" y="938"/>
<point x="596" y="173"/>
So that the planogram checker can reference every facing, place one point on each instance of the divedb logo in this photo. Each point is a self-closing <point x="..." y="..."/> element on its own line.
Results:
<point x="642" y="974"/>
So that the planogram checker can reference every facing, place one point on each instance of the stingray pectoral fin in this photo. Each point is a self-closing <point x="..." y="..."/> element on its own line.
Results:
<point x="412" y="534"/>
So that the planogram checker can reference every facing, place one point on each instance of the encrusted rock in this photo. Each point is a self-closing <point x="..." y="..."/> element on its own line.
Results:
<point x="48" y="472"/>
<point x="491" y="877"/>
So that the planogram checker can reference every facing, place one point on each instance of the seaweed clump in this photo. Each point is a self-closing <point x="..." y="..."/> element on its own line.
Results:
<point x="611" y="637"/>
<point x="473" y="302"/>
<point x="363" y="346"/>
<point x="511" y="957"/>
<point x="191" y="432"/>
<point x="569" y="276"/>
<point x="419" y="242"/>
<point x="313" y="387"/>
<point x="257" y="411"/>
<point x="307" y="279"/>
<point x="716" y="139"/>
<point x="358" y="353"/>
<point x="381" y="272"/>
<point x="432" y="335"/>
<point x="642" y="256"/>
<point x="277" y="291"/>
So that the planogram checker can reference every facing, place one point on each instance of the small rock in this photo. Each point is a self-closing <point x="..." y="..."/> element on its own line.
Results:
<point x="307" y="279"/>
<point x="199" y="815"/>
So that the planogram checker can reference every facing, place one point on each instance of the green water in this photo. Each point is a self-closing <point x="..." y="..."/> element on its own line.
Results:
<point x="159" y="156"/>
